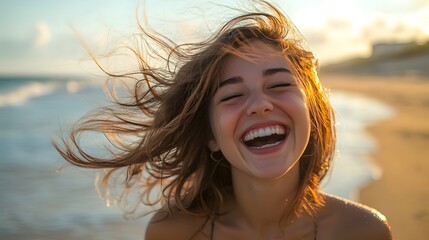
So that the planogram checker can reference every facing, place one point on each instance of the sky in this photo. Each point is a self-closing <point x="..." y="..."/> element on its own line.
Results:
<point x="39" y="37"/>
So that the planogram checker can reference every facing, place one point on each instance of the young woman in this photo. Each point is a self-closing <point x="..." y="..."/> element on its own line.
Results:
<point x="237" y="132"/>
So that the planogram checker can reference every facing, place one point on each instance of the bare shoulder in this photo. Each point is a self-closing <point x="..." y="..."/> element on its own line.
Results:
<point x="175" y="225"/>
<point x="345" y="219"/>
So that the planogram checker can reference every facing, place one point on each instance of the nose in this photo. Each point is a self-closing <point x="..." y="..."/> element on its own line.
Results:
<point x="258" y="104"/>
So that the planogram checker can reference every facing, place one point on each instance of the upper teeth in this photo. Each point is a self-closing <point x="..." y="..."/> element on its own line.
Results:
<point x="263" y="132"/>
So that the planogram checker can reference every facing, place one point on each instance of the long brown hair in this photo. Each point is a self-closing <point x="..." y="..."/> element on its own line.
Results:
<point x="169" y="126"/>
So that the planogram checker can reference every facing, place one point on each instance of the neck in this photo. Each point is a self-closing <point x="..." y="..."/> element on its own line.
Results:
<point x="262" y="203"/>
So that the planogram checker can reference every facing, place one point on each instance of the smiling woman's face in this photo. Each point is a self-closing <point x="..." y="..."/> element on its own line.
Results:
<point x="258" y="115"/>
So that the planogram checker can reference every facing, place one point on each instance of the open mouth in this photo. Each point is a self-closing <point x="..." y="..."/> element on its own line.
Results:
<point x="265" y="137"/>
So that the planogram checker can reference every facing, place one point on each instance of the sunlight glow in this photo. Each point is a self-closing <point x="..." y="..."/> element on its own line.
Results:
<point x="43" y="34"/>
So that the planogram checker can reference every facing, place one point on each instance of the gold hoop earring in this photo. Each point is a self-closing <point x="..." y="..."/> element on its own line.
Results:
<point x="217" y="160"/>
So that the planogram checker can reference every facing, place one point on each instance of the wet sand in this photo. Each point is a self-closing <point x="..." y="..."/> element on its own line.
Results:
<point x="402" y="193"/>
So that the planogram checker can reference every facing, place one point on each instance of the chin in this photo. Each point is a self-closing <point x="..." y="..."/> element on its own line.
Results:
<point x="275" y="171"/>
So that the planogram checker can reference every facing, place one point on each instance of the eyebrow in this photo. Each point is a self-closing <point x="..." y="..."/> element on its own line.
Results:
<point x="229" y="81"/>
<point x="265" y="73"/>
<point x="271" y="71"/>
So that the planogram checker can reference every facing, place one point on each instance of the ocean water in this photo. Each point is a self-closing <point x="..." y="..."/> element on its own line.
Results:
<point x="353" y="167"/>
<point x="43" y="198"/>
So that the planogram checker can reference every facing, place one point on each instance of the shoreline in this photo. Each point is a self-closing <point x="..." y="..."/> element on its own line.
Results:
<point x="351" y="167"/>
<point x="402" y="192"/>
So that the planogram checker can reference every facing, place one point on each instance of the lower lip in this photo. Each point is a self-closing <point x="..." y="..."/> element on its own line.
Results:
<point x="268" y="149"/>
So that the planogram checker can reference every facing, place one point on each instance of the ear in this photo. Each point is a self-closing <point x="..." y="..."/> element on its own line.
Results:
<point x="214" y="147"/>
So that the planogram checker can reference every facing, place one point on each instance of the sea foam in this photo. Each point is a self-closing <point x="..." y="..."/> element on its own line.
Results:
<point x="23" y="93"/>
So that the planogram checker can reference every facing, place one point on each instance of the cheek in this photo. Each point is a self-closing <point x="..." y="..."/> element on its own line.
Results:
<point x="223" y="121"/>
<point x="295" y="102"/>
<point x="297" y="108"/>
<point x="304" y="113"/>
<point x="306" y="121"/>
<point x="306" y="109"/>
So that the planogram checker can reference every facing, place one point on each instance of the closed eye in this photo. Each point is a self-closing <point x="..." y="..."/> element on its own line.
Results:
<point x="281" y="85"/>
<point x="230" y="97"/>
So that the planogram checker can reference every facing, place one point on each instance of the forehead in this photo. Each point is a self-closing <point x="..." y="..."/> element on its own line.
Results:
<point x="256" y="56"/>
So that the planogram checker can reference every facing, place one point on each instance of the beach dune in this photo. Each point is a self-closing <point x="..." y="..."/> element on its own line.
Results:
<point x="402" y="193"/>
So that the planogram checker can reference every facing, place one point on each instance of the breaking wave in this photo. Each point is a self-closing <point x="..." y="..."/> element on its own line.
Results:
<point x="18" y="93"/>
<point x="22" y="94"/>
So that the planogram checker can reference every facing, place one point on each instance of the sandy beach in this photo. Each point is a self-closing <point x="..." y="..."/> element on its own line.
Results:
<point x="402" y="193"/>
